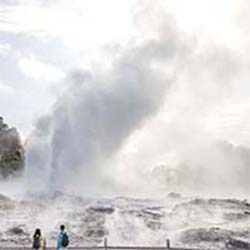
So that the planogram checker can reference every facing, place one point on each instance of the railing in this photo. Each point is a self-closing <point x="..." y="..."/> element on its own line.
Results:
<point x="107" y="247"/>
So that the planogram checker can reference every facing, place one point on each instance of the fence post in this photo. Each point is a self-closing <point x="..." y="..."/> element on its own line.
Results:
<point x="168" y="243"/>
<point x="105" y="244"/>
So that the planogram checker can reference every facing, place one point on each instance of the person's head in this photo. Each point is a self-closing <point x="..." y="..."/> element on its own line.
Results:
<point x="62" y="227"/>
<point x="37" y="232"/>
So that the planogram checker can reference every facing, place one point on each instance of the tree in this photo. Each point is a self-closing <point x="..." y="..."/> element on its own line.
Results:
<point x="11" y="151"/>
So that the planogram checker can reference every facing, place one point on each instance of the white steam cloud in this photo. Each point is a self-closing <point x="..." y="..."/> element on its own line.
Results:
<point x="90" y="122"/>
<point x="155" y="97"/>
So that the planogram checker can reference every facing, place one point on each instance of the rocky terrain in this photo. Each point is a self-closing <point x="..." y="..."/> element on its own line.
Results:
<point x="186" y="221"/>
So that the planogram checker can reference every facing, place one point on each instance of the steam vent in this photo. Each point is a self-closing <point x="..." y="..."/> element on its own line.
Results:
<point x="11" y="151"/>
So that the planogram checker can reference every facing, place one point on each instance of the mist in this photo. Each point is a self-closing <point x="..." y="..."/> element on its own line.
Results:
<point x="94" y="117"/>
<point x="143" y="118"/>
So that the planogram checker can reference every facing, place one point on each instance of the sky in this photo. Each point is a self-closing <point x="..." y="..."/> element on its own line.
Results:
<point x="139" y="81"/>
<point x="41" y="42"/>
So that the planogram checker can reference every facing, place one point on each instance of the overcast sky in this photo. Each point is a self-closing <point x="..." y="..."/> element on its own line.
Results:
<point x="41" y="42"/>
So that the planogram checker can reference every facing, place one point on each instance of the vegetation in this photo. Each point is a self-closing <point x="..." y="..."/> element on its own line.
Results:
<point x="11" y="151"/>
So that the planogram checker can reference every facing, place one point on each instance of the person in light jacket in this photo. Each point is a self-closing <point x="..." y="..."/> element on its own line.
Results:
<point x="62" y="239"/>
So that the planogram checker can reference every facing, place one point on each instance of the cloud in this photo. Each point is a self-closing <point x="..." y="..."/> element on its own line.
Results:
<point x="94" y="118"/>
<point x="83" y="25"/>
<point x="5" y="48"/>
<point x="39" y="70"/>
<point x="5" y="89"/>
<point x="150" y="106"/>
<point x="119" y="106"/>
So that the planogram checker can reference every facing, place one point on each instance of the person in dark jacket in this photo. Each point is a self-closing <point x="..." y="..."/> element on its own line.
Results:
<point x="38" y="240"/>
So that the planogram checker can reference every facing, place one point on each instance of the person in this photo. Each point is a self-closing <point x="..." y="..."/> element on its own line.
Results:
<point x="38" y="240"/>
<point x="62" y="239"/>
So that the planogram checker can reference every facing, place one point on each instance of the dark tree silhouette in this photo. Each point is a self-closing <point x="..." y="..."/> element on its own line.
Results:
<point x="11" y="151"/>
